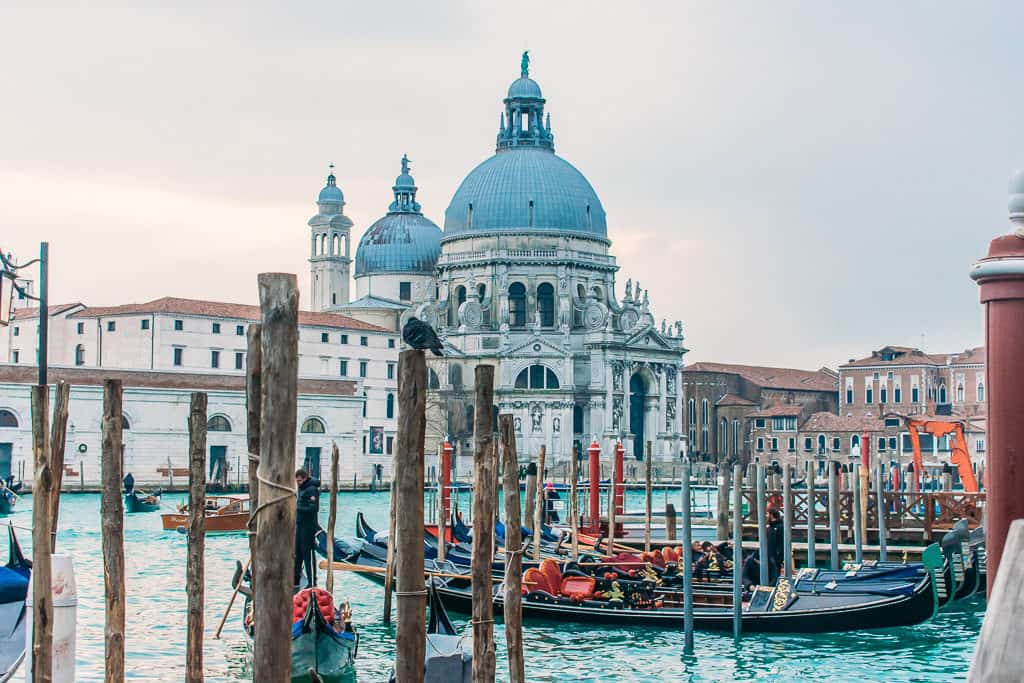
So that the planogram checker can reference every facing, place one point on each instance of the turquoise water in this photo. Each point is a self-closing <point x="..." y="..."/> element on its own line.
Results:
<point x="939" y="650"/>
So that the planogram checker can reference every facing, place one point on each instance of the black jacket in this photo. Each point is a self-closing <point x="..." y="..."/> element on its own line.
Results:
<point x="307" y="505"/>
<point x="774" y="543"/>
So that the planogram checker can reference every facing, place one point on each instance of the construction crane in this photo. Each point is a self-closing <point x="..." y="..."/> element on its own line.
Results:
<point x="938" y="427"/>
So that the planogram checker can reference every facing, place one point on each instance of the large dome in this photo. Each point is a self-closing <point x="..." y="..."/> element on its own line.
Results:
<point x="399" y="243"/>
<point x="525" y="188"/>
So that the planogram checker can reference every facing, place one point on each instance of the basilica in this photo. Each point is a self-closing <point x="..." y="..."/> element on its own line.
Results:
<point x="521" y="277"/>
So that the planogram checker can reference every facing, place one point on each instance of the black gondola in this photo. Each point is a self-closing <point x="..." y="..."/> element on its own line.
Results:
<point x="14" y="584"/>
<point x="136" y="501"/>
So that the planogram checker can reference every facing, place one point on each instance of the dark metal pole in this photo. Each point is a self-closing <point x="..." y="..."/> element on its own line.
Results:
<point x="811" y="530"/>
<point x="44" y="307"/>
<point x="686" y="561"/>
<point x="762" y="536"/>
<point x="882" y="510"/>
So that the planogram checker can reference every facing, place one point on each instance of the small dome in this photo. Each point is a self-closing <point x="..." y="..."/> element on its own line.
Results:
<point x="524" y="87"/>
<point x="1016" y="204"/>
<point x="405" y="180"/>
<point x="399" y="243"/>
<point x="331" y="191"/>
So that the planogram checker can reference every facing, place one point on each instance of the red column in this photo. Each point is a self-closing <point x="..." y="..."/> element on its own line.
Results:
<point x="1001" y="279"/>
<point x="446" y="481"/>
<point x="865" y="451"/>
<point x="594" y="452"/>
<point x="620" y="490"/>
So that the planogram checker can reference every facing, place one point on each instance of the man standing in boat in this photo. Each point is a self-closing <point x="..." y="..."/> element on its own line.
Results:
<point x="307" y="507"/>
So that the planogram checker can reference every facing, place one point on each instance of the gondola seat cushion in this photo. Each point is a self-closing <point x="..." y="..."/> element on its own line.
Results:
<point x="324" y="601"/>
<point x="578" y="588"/>
<point x="535" y="580"/>
<point x="549" y="568"/>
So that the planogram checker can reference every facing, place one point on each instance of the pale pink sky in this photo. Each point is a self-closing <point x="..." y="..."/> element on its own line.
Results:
<point x="798" y="182"/>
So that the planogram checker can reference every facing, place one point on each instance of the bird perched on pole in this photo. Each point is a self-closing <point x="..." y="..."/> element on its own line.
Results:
<point x="420" y="335"/>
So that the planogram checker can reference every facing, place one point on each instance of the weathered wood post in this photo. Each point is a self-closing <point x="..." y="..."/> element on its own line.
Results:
<point x="407" y="481"/>
<point x="513" y="552"/>
<point x="724" y="486"/>
<point x="531" y="494"/>
<point x="58" y="439"/>
<point x="275" y="545"/>
<point x="833" y="516"/>
<point x="998" y="655"/>
<point x="574" y="511"/>
<point x="332" y="517"/>
<point x="195" y="570"/>
<point x="42" y="489"/>
<point x="647" y="501"/>
<point x="686" y="560"/>
<point x="882" y="512"/>
<point x="483" y="529"/>
<point x="787" y="520"/>
<point x="670" y="522"/>
<point x="737" y="552"/>
<point x="389" y="562"/>
<point x="538" y="513"/>
<point x="112" y="513"/>
<point x="811" y="516"/>
<point x="762" y="531"/>
<point x="253" y="416"/>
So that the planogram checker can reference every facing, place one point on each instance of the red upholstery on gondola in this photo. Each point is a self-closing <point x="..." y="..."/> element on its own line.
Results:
<point x="534" y="580"/>
<point x="549" y="568"/>
<point x="324" y="600"/>
<point x="669" y="555"/>
<point x="578" y="588"/>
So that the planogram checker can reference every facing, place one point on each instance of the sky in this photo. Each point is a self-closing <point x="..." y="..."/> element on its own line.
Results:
<point x="798" y="182"/>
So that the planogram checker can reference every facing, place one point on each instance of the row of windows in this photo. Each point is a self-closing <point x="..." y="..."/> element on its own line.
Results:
<point x="943" y="397"/>
<point x="517" y="310"/>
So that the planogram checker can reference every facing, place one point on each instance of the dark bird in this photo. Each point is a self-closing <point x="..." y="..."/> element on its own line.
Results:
<point x="420" y="335"/>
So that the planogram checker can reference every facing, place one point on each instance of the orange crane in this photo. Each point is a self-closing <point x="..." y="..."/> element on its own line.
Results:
<point x="938" y="428"/>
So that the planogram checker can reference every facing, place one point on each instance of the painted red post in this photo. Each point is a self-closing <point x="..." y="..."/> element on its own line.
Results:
<point x="865" y="451"/>
<point x="620" y="489"/>
<point x="1000" y="276"/>
<point x="595" y="487"/>
<point x="446" y="481"/>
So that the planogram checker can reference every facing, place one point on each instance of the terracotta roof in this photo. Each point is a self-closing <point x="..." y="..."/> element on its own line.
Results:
<point x="973" y="355"/>
<point x="28" y="313"/>
<point x="907" y="356"/>
<point x="217" y="309"/>
<point x="774" y="378"/>
<point x="787" y="409"/>
<point x="830" y="422"/>
<point x="28" y="374"/>
<point x="734" y="400"/>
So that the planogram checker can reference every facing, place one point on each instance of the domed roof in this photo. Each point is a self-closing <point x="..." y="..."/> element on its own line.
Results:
<point x="403" y="241"/>
<point x="524" y="87"/>
<point x="399" y="243"/>
<point x="525" y="188"/>
<point x="331" y="191"/>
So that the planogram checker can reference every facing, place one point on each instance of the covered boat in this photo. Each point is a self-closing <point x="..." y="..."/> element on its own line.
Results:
<point x="14" y="585"/>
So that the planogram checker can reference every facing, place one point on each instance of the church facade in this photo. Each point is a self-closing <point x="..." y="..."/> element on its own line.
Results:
<point x="521" y="277"/>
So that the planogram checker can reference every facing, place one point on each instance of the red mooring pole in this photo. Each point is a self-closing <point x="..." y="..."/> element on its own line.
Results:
<point x="620" y="491"/>
<point x="1000" y="276"/>
<point x="594" y="452"/>
<point x="446" y="481"/>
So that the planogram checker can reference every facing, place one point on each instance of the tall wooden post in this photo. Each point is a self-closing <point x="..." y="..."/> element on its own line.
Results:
<point x="686" y="560"/>
<point x="647" y="500"/>
<point x="112" y="512"/>
<point x="882" y="510"/>
<point x="407" y="482"/>
<point x="42" y="605"/>
<point x="195" y="570"/>
<point x="574" y="511"/>
<point x="833" y="516"/>
<point x="58" y="439"/>
<point x="859" y="516"/>
<point x="513" y="553"/>
<point x="483" y="529"/>
<point x="332" y="517"/>
<point x="724" y="486"/>
<point x="762" y="531"/>
<point x="538" y="514"/>
<point x="253" y="415"/>
<point x="812" y="522"/>
<point x="275" y="545"/>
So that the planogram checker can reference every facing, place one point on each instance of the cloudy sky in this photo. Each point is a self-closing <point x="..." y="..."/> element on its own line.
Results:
<point x="799" y="182"/>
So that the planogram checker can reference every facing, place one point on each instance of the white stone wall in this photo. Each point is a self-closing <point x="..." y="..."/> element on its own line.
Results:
<point x="386" y="286"/>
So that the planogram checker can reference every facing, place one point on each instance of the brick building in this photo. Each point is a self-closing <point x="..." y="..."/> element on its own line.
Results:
<point x="722" y="398"/>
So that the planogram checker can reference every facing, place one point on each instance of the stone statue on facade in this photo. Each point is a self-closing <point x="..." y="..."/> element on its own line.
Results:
<point x="629" y="289"/>
<point x="637" y="299"/>
<point x="556" y="425"/>
<point x="679" y="328"/>
<point x="518" y="423"/>
<point x="537" y="418"/>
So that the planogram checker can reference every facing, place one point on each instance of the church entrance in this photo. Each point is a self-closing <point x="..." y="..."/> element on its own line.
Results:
<point x="637" y="399"/>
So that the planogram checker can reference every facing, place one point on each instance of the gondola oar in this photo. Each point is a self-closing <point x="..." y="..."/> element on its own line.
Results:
<point x="231" y="603"/>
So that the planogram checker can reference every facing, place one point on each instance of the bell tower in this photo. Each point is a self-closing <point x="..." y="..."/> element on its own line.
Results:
<point x="330" y="231"/>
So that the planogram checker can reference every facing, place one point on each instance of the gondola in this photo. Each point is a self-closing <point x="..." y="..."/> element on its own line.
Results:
<point x="14" y="584"/>
<point x="449" y="657"/>
<point x="139" y="501"/>
<point x="323" y="638"/>
<point x="976" y="540"/>
<point x="8" y="495"/>
<point x="783" y="608"/>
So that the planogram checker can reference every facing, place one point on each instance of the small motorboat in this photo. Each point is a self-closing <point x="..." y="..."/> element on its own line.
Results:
<point x="224" y="515"/>
<point x="324" y="642"/>
<point x="14" y="585"/>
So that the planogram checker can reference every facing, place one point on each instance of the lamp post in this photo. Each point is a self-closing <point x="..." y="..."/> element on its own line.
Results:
<point x="10" y="270"/>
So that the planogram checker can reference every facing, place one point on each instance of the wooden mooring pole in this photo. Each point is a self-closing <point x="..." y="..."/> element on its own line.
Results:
<point x="112" y="524"/>
<point x="881" y="508"/>
<point x="858" y="516"/>
<point x="42" y="595"/>
<point x="58" y="440"/>
<point x="686" y="559"/>
<point x="811" y="515"/>
<point x="332" y="517"/>
<point x="513" y="551"/>
<point x="833" y="516"/>
<point x="724" y="486"/>
<point x="762" y="527"/>
<point x="531" y="495"/>
<point x="407" y="481"/>
<point x="574" y="511"/>
<point x="737" y="551"/>
<point x="195" y="570"/>
<point x="253" y="416"/>
<point x="483" y="528"/>
<point x="538" y="514"/>
<point x="275" y="545"/>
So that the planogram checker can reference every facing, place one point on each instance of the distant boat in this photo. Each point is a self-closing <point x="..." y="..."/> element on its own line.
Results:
<point x="139" y="501"/>
<point x="9" y="495"/>
<point x="224" y="514"/>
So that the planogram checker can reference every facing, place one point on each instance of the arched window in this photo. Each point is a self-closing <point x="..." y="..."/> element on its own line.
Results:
<point x="536" y="377"/>
<point x="8" y="419"/>
<point x="723" y="437"/>
<point x="80" y="355"/>
<point x="705" y="412"/>
<point x="735" y="436"/>
<point x="125" y="424"/>
<point x="854" y="442"/>
<point x="822" y="443"/>
<point x="455" y="376"/>
<point x="960" y="393"/>
<point x="577" y="419"/>
<point x="981" y="391"/>
<point x="581" y="292"/>
<point x="313" y="425"/>
<point x="942" y="393"/>
<point x="546" y="304"/>
<point x="365" y="402"/>
<point x="336" y="245"/>
<point x="218" y="423"/>
<point x="469" y="418"/>
<point x="460" y="296"/>
<point x="391" y="406"/>
<point x="517" y="305"/>
<point x="432" y="380"/>
<point x="691" y="411"/>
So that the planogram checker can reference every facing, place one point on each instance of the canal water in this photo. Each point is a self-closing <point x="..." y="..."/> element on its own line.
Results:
<point x="939" y="650"/>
